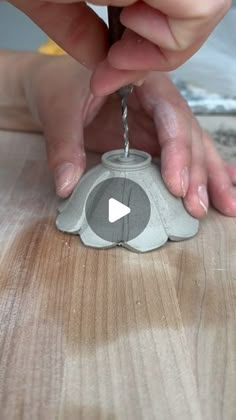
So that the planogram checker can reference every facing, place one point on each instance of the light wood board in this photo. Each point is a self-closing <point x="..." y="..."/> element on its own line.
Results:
<point x="108" y="334"/>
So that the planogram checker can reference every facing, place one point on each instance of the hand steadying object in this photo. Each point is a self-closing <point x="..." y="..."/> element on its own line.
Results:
<point x="56" y="92"/>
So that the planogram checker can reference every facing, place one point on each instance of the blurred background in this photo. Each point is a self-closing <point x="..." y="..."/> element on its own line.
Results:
<point x="208" y="80"/>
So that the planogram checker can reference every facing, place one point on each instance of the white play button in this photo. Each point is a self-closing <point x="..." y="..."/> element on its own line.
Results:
<point x="117" y="210"/>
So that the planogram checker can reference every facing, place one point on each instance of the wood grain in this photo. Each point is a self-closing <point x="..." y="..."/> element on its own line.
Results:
<point x="88" y="334"/>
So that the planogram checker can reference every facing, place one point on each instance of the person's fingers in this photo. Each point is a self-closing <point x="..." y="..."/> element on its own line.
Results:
<point x="129" y="60"/>
<point x="222" y="193"/>
<point x="106" y="79"/>
<point x="61" y="118"/>
<point x="174" y="134"/>
<point x="181" y="8"/>
<point x="200" y="9"/>
<point x="173" y="122"/>
<point x="75" y="27"/>
<point x="153" y="25"/>
<point x="231" y="170"/>
<point x="134" y="52"/>
<point x="196" y="200"/>
<point x="65" y="152"/>
<point x="56" y="90"/>
<point x="169" y="27"/>
<point x="164" y="35"/>
<point x="49" y="88"/>
<point x="64" y="132"/>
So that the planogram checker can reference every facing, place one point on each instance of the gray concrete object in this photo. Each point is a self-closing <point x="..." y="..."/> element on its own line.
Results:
<point x="167" y="218"/>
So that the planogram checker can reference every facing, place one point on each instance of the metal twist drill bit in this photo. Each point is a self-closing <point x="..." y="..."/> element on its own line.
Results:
<point x="124" y="93"/>
<point x="124" y="109"/>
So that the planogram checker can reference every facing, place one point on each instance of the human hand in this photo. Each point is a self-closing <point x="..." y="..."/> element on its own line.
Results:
<point x="161" y="123"/>
<point x="160" y="35"/>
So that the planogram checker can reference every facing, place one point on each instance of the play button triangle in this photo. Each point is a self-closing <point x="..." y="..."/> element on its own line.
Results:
<point x="117" y="210"/>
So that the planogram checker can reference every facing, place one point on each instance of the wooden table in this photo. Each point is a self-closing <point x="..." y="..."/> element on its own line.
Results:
<point x="108" y="334"/>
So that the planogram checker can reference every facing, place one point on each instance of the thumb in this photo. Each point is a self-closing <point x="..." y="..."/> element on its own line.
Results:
<point x="65" y="152"/>
<point x="57" y="93"/>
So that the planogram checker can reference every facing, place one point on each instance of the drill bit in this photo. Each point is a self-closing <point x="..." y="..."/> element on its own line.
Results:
<point x="116" y="30"/>
<point x="124" y="93"/>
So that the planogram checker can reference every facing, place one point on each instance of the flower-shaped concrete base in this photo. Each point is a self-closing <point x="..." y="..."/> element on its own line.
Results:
<point x="168" y="217"/>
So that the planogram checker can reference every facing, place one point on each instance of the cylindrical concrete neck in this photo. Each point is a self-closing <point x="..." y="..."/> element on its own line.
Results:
<point x="136" y="161"/>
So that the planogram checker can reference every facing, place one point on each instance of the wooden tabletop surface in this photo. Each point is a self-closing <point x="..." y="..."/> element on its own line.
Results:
<point x="108" y="334"/>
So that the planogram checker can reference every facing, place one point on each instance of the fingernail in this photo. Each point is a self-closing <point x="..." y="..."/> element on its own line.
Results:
<point x="185" y="181"/>
<point x="64" y="176"/>
<point x="203" y="197"/>
<point x="139" y="82"/>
